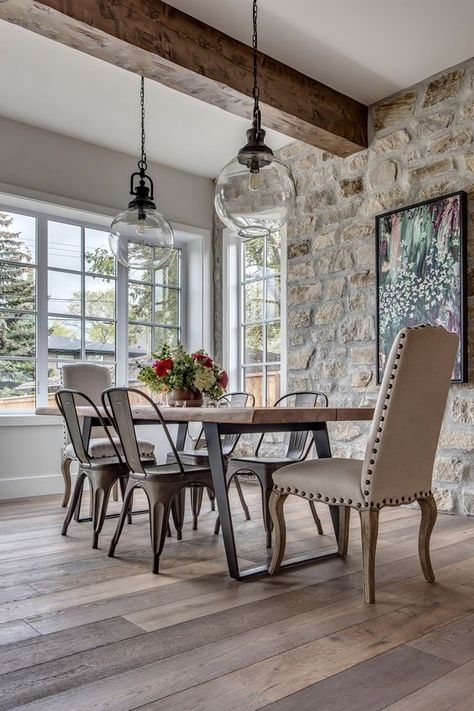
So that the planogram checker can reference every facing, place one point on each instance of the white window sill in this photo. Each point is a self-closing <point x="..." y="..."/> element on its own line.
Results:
<point x="28" y="419"/>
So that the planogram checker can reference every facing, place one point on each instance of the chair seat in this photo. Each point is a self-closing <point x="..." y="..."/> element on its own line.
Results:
<point x="100" y="447"/>
<point x="330" y="480"/>
<point x="198" y="457"/>
<point x="266" y="464"/>
<point x="170" y="472"/>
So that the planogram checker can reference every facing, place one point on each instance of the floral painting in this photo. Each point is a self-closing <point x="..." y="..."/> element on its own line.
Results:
<point x="421" y="272"/>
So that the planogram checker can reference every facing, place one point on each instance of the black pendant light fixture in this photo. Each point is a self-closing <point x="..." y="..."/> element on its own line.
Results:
<point x="255" y="192"/>
<point x="140" y="237"/>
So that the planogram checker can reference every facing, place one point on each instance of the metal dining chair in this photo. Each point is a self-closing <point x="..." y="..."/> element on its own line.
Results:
<point x="199" y="456"/>
<point x="160" y="482"/>
<point x="298" y="447"/>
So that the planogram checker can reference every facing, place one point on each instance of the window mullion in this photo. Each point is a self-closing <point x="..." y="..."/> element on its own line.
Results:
<point x="122" y="325"/>
<point x="42" y="311"/>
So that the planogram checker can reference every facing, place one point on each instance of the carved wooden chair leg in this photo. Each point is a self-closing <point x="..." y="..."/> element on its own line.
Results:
<point x="344" y="524"/>
<point x="177" y="512"/>
<point x="267" y="489"/>
<point x="196" y="503"/>
<point x="369" y="523"/>
<point x="160" y="497"/>
<point x="75" y="501"/>
<point x="316" y="518"/>
<point x="241" y="497"/>
<point x="429" y="512"/>
<point x="277" y="501"/>
<point x="123" y="515"/>
<point x="66" y="472"/>
<point x="212" y="498"/>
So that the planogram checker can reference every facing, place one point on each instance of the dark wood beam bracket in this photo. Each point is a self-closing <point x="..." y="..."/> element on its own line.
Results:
<point x="175" y="49"/>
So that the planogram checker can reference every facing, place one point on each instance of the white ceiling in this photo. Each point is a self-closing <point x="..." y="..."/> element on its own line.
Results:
<point x="49" y="85"/>
<point x="367" y="49"/>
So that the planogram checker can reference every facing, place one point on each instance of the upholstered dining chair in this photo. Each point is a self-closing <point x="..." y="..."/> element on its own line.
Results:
<point x="99" y="461"/>
<point x="91" y="379"/>
<point x="160" y="482"/>
<point x="398" y="464"/>
<point x="199" y="456"/>
<point x="298" y="447"/>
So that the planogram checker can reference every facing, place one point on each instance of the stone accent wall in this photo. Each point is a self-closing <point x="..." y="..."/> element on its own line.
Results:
<point x="421" y="146"/>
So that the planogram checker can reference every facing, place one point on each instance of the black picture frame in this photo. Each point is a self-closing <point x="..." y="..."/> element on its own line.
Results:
<point x="463" y="318"/>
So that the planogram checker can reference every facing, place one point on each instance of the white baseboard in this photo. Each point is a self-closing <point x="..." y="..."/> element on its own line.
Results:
<point x="19" y="487"/>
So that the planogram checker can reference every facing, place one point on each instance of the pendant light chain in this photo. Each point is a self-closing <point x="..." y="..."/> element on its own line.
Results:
<point x="142" y="164"/>
<point x="255" y="89"/>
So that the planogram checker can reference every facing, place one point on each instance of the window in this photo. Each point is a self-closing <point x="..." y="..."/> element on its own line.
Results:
<point x="63" y="297"/>
<point x="260" y="318"/>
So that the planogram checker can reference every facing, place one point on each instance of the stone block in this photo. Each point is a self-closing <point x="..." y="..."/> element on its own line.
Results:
<point x="383" y="174"/>
<point x="296" y="339"/>
<point x="443" y="88"/>
<point x="298" y="319"/>
<point x="357" y="328"/>
<point x="300" y="271"/>
<point x="462" y="410"/>
<point x="381" y="202"/>
<point x="356" y="302"/>
<point x="435" y="189"/>
<point x="330" y="368"/>
<point x="431" y="169"/>
<point x="335" y="287"/>
<point x="469" y="160"/>
<point x="354" y="163"/>
<point x="300" y="249"/>
<point x="392" y="142"/>
<point x="457" y="439"/>
<point x="314" y="201"/>
<point x="434" y="123"/>
<point x="323" y="335"/>
<point x="351" y="186"/>
<point x="393" y="111"/>
<point x="363" y="355"/>
<point x="468" y="110"/>
<point x="323" y="240"/>
<point x="362" y="378"/>
<point x="355" y="232"/>
<point x="444" y="499"/>
<point x="365" y="278"/>
<point x="450" y="142"/>
<point x="364" y="254"/>
<point x="328" y="312"/>
<point x="308" y="294"/>
<point x="300" y="359"/>
<point x="450" y="470"/>
<point x="345" y="431"/>
<point x="335" y="261"/>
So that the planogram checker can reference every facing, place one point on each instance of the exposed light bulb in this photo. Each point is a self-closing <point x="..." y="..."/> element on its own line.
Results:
<point x="141" y="225"/>
<point x="255" y="181"/>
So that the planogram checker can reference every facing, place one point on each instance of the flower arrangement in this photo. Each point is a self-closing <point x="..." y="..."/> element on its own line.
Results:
<point x="175" y="369"/>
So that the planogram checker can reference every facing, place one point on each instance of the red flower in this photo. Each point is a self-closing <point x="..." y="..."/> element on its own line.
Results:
<point x="223" y="379"/>
<point x="163" y="367"/>
<point x="203" y="359"/>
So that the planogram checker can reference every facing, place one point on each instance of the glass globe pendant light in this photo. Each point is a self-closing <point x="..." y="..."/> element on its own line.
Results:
<point x="255" y="193"/>
<point x="140" y="237"/>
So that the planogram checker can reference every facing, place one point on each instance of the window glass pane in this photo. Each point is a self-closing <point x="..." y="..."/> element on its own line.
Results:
<point x="17" y="287"/>
<point x="98" y="255"/>
<point x="253" y="301"/>
<point x="273" y="254"/>
<point x="143" y="275"/>
<point x="139" y="302"/>
<point x="165" y="335"/>
<point x="272" y="298"/>
<point x="168" y="274"/>
<point x="139" y="349"/>
<point x="17" y="334"/>
<point x="64" y="246"/>
<point x="253" y="344"/>
<point x="64" y="338"/>
<point x="17" y="237"/>
<point x="273" y="342"/>
<point x="17" y="385"/>
<point x="64" y="293"/>
<point x="100" y="340"/>
<point x="253" y="258"/>
<point x="100" y="297"/>
<point x="166" y="305"/>
<point x="273" y="384"/>
<point x="253" y="383"/>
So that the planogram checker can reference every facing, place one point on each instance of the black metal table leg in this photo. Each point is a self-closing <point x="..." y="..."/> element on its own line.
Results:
<point x="323" y="450"/>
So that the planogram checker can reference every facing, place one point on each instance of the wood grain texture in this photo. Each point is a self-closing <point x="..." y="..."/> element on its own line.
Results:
<point x="169" y="46"/>
<point x="103" y="634"/>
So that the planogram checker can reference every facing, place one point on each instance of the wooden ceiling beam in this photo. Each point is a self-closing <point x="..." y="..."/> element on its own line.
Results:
<point x="173" y="48"/>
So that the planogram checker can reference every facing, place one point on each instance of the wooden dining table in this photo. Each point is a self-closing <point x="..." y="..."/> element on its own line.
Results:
<point x="218" y="421"/>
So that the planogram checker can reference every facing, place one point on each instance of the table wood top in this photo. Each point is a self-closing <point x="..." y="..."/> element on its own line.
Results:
<point x="239" y="415"/>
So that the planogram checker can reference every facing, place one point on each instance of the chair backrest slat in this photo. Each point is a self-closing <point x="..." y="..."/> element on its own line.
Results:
<point x="237" y="399"/>
<point x="404" y="436"/>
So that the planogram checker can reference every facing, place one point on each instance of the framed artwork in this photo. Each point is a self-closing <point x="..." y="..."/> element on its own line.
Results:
<point x="421" y="273"/>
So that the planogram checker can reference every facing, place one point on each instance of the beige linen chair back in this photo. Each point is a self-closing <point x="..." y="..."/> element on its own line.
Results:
<point x="90" y="378"/>
<point x="400" y="453"/>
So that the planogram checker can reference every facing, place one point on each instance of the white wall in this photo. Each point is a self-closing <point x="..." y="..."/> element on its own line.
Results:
<point x="62" y="171"/>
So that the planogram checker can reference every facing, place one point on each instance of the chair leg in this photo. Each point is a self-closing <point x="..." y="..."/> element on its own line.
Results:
<point x="212" y="498"/>
<point x="276" y="504"/>
<point x="127" y="498"/>
<point x="177" y="512"/>
<point x="369" y="523"/>
<point x="316" y="518"/>
<point x="241" y="497"/>
<point x="160" y="498"/>
<point x="196" y="503"/>
<point x="66" y="472"/>
<point x="75" y="502"/>
<point x="267" y="488"/>
<point x="100" y="495"/>
<point x="429" y="512"/>
<point x="115" y="494"/>
<point x="344" y="523"/>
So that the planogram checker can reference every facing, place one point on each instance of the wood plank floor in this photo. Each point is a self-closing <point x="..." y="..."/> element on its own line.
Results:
<point x="81" y="631"/>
